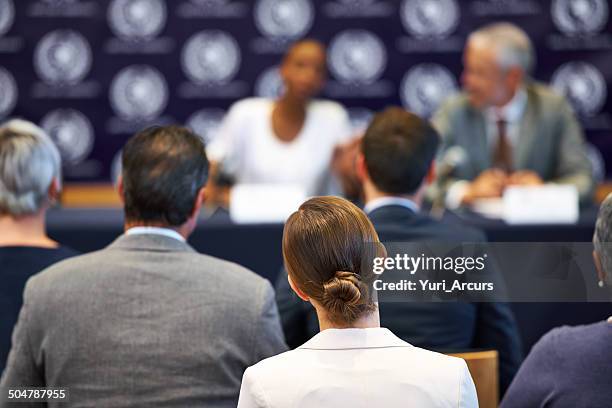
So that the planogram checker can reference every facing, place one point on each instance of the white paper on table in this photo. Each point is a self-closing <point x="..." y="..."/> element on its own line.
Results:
<point x="547" y="204"/>
<point x="264" y="203"/>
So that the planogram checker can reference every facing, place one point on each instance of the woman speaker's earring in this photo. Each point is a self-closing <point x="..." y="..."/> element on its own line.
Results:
<point x="600" y="284"/>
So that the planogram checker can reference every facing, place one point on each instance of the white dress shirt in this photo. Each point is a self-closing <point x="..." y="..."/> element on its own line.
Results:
<point x="390" y="200"/>
<point x="155" y="230"/>
<point x="358" y="368"/>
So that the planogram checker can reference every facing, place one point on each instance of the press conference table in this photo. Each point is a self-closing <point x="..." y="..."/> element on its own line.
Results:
<point x="258" y="247"/>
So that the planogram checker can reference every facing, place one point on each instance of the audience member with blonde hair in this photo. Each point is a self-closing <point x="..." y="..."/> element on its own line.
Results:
<point x="30" y="182"/>
<point x="328" y="249"/>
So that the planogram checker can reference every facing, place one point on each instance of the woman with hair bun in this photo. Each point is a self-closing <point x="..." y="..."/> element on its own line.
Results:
<point x="328" y="248"/>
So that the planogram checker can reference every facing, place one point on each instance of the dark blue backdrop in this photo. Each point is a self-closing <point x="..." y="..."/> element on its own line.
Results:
<point x="93" y="72"/>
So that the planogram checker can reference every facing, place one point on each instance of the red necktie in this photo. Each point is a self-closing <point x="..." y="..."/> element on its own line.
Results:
<point x="502" y="156"/>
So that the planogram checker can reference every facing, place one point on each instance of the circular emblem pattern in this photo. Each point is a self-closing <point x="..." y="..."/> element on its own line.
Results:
<point x="579" y="17"/>
<point x="138" y="93"/>
<point x="205" y="123"/>
<point x="425" y="86"/>
<point x="286" y="19"/>
<point x="71" y="132"/>
<point x="137" y="20"/>
<point x="357" y="56"/>
<point x="62" y="57"/>
<point x="8" y="90"/>
<point x="429" y="18"/>
<point x="583" y="85"/>
<point x="7" y="15"/>
<point x="211" y="57"/>
<point x="269" y="84"/>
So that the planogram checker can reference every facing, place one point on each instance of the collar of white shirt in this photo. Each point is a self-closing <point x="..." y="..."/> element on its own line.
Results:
<point x="385" y="201"/>
<point x="510" y="112"/>
<point x="156" y="231"/>
<point x="344" y="339"/>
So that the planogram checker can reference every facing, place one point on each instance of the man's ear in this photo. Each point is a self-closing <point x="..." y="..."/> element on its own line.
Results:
<point x="55" y="189"/>
<point x="120" y="189"/>
<point x="515" y="76"/>
<point x="197" y="206"/>
<point x="362" y="168"/>
<point x="297" y="290"/>
<point x="431" y="173"/>
<point x="598" y="267"/>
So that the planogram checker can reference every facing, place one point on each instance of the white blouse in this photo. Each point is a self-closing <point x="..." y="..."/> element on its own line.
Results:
<point x="249" y="150"/>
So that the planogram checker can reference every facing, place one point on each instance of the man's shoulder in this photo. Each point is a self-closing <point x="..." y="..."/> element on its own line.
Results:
<point x="87" y="269"/>
<point x="454" y="104"/>
<point x="546" y="96"/>
<point x="422" y="227"/>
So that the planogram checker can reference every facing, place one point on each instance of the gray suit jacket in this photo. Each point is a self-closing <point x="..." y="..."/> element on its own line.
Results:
<point x="551" y="142"/>
<point x="147" y="321"/>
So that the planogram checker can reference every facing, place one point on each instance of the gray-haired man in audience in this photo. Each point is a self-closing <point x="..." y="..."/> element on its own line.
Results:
<point x="147" y="321"/>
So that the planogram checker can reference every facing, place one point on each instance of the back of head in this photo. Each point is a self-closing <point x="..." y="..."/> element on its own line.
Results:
<point x="602" y="239"/>
<point x="163" y="170"/>
<point x="29" y="161"/>
<point x="328" y="248"/>
<point x="513" y="46"/>
<point x="399" y="148"/>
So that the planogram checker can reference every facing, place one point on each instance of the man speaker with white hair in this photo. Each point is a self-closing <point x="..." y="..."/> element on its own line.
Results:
<point x="510" y="130"/>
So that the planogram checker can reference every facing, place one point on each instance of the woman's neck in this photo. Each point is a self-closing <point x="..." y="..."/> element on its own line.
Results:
<point x="369" y="321"/>
<point x="28" y="230"/>
<point x="288" y="117"/>
<point x="290" y="107"/>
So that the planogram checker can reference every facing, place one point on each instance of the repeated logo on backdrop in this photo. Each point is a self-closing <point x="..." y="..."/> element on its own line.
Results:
<point x="280" y="22"/>
<point x="205" y="123"/>
<point x="7" y="14"/>
<point x="269" y="83"/>
<point x="425" y="86"/>
<point x="8" y="90"/>
<point x="430" y="18"/>
<point x="211" y="57"/>
<point x="139" y="93"/>
<point x="581" y="24"/>
<point x="62" y="57"/>
<point x="430" y="25"/>
<point x="583" y="85"/>
<point x="580" y="17"/>
<point x="137" y="20"/>
<point x="357" y="56"/>
<point x="72" y="133"/>
<point x="96" y="72"/>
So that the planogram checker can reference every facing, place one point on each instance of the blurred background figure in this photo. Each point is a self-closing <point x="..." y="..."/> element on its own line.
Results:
<point x="570" y="366"/>
<point x="30" y="183"/>
<point x="508" y="129"/>
<point x="329" y="246"/>
<point x="291" y="140"/>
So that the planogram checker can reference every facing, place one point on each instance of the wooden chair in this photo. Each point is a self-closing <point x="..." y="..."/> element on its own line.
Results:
<point x="484" y="367"/>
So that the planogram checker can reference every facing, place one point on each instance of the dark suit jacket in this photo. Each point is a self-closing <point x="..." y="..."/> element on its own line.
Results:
<point x="439" y="326"/>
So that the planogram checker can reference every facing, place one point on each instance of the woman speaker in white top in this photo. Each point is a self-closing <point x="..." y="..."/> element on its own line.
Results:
<point x="289" y="140"/>
<point x="328" y="246"/>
